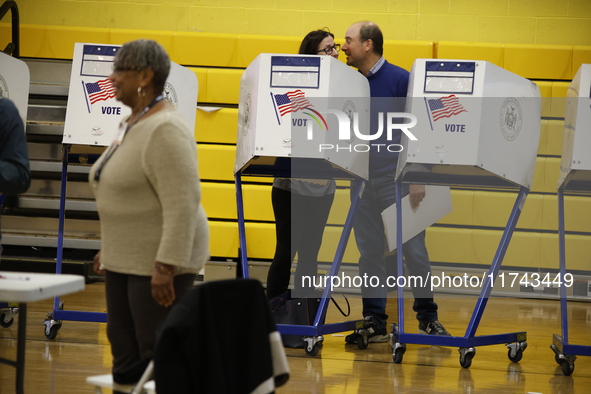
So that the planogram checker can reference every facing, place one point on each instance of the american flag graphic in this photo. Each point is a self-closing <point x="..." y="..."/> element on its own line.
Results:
<point x="445" y="107"/>
<point x="291" y="102"/>
<point x="100" y="90"/>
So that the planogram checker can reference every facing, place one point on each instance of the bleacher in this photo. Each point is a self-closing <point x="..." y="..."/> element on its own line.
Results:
<point x="467" y="237"/>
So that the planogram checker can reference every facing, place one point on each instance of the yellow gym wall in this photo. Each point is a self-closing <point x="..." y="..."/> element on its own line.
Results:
<point x="548" y="22"/>
<point x="543" y="40"/>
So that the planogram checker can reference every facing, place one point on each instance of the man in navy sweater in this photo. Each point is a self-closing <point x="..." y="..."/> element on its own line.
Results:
<point x="388" y="88"/>
<point x="14" y="159"/>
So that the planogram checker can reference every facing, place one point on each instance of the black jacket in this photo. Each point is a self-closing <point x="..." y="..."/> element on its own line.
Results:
<point x="220" y="338"/>
<point x="15" y="176"/>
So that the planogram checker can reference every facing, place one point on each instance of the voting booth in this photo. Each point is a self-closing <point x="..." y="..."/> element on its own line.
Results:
<point x="296" y="119"/>
<point x="477" y="125"/>
<point x="93" y="115"/>
<point x="301" y="108"/>
<point x="575" y="166"/>
<point x="575" y="178"/>
<point x="15" y="80"/>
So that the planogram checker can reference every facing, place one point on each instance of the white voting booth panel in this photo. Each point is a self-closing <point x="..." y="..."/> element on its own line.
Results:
<point x="476" y="123"/>
<point x="575" y="166"/>
<point x="284" y="99"/>
<point x="14" y="83"/>
<point x="93" y="113"/>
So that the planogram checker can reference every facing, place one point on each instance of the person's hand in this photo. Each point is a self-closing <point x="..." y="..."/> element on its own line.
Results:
<point x="97" y="264"/>
<point x="416" y="194"/>
<point x="163" y="284"/>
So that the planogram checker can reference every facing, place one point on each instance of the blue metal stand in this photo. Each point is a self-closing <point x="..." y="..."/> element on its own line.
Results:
<point x="565" y="353"/>
<point x="313" y="334"/>
<point x="241" y="226"/>
<point x="53" y="321"/>
<point x="467" y="344"/>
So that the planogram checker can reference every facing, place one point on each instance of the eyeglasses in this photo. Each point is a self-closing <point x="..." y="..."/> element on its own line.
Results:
<point x="328" y="50"/>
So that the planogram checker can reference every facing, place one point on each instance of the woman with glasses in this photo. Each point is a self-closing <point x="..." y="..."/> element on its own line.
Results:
<point x="300" y="206"/>
<point x="319" y="42"/>
<point x="154" y="231"/>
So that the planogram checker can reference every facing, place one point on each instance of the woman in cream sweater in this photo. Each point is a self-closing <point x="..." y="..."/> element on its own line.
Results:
<point x="154" y="231"/>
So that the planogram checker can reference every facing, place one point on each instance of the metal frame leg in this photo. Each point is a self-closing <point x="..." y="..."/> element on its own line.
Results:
<point x="565" y="353"/>
<point x="562" y="253"/>
<point x="243" y="259"/>
<point x="19" y="363"/>
<point x="62" y="216"/>
<point x="469" y="340"/>
<point x="314" y="332"/>
<point x="53" y="321"/>
<point x="399" y="257"/>
<point x="496" y="263"/>
<point x="340" y="252"/>
<point x="20" y="355"/>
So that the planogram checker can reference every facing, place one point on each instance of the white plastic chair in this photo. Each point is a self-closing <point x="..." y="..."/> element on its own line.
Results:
<point x="143" y="386"/>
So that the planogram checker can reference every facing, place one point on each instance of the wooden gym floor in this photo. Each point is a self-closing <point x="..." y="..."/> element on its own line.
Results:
<point x="81" y="349"/>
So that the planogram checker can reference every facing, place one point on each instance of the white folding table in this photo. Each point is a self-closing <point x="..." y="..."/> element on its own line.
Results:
<point x="24" y="287"/>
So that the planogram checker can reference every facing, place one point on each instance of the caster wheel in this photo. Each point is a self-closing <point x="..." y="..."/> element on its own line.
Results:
<point x="515" y="353"/>
<point x="466" y="359"/>
<point x="398" y="355"/>
<point x="315" y="349"/>
<point x="557" y="359"/>
<point x="517" y="357"/>
<point x="362" y="341"/>
<point x="4" y="323"/>
<point x="52" y="333"/>
<point x="566" y="367"/>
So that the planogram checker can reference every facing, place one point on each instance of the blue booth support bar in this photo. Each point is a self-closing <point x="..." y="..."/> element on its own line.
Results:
<point x="565" y="353"/>
<point x="241" y="226"/>
<point x="314" y="333"/>
<point x="53" y="322"/>
<point x="340" y="252"/>
<point x="469" y="341"/>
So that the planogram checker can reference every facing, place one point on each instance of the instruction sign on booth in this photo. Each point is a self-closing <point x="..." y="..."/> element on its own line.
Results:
<point x="93" y="113"/>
